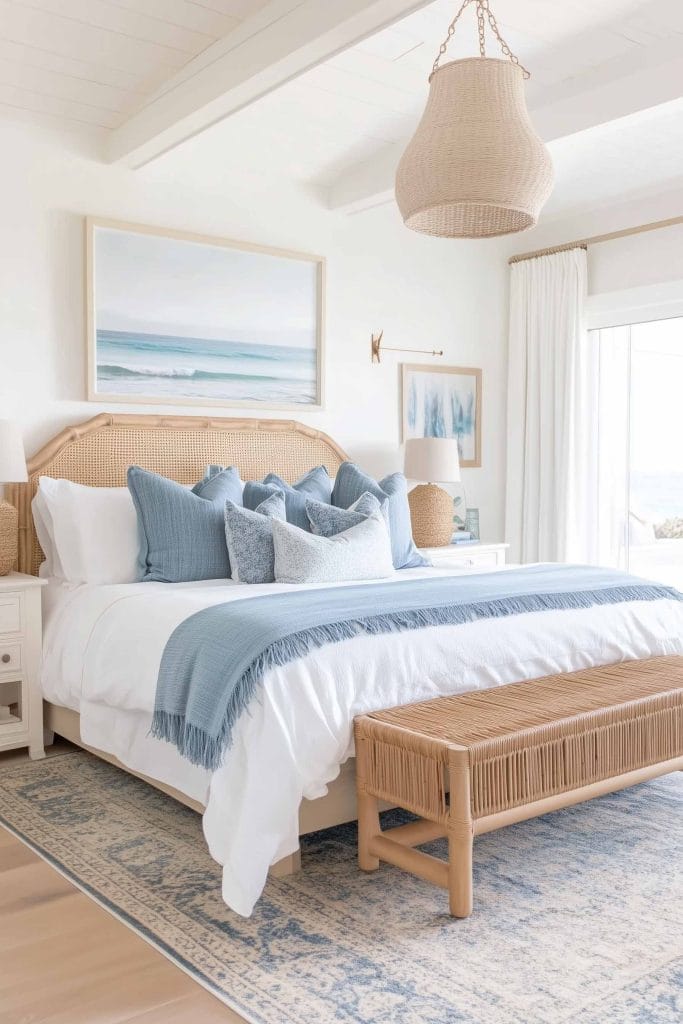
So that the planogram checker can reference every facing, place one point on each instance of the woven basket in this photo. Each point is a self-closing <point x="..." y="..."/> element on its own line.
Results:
<point x="431" y="515"/>
<point x="9" y="533"/>
<point x="475" y="166"/>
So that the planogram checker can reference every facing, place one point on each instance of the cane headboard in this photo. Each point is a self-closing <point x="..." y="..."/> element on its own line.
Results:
<point x="99" y="452"/>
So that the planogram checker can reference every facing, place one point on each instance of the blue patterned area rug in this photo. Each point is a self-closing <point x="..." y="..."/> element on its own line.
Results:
<point x="577" y="915"/>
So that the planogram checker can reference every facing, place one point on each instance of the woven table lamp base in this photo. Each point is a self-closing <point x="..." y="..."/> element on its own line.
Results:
<point x="9" y="534"/>
<point x="431" y="515"/>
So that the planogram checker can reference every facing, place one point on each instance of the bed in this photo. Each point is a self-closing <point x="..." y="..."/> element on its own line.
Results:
<point x="98" y="453"/>
<point x="293" y="749"/>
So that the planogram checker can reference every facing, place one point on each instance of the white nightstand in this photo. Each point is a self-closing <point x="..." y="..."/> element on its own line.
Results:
<point x="467" y="556"/>
<point x="21" y="641"/>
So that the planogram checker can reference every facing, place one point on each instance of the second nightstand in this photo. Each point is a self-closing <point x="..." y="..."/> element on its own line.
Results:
<point x="466" y="556"/>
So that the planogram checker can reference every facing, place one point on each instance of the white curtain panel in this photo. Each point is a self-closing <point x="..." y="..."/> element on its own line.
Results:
<point x="553" y="381"/>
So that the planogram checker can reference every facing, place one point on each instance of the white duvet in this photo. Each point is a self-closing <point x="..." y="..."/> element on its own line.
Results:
<point x="103" y="645"/>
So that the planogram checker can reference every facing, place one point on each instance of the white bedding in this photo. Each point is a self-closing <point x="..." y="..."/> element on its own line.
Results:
<point x="103" y="645"/>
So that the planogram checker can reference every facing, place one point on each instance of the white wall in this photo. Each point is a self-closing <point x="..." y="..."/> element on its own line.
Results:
<point x="635" y="261"/>
<point x="423" y="292"/>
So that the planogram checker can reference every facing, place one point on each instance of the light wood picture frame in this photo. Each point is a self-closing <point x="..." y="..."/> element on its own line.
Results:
<point x="443" y="401"/>
<point x="185" y="319"/>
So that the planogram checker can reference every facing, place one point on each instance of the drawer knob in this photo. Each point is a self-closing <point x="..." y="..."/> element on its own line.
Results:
<point x="6" y="658"/>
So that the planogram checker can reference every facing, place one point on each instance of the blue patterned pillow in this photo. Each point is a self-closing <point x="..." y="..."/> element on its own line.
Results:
<point x="360" y="553"/>
<point x="328" y="521"/>
<point x="249" y="536"/>
<point x="182" y="534"/>
<point x="315" y="484"/>
<point x="352" y="482"/>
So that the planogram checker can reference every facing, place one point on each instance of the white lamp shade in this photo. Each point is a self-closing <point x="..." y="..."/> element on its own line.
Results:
<point x="434" y="459"/>
<point x="12" y="456"/>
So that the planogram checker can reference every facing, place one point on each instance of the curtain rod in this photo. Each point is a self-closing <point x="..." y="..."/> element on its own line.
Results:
<point x="583" y="243"/>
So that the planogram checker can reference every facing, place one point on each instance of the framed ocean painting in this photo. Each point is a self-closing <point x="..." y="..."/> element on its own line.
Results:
<point x="444" y="401"/>
<point x="188" y="319"/>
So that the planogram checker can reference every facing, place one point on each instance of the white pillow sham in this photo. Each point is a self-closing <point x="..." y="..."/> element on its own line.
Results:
<point x="43" y="524"/>
<point x="88" y="534"/>
<point x="362" y="552"/>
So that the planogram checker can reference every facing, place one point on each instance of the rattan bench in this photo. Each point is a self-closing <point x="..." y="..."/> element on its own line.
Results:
<point x="476" y="762"/>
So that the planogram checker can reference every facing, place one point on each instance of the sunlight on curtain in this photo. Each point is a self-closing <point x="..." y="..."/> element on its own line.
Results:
<point x="552" y="409"/>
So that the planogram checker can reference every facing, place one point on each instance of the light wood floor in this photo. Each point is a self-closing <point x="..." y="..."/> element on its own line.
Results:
<point x="65" y="960"/>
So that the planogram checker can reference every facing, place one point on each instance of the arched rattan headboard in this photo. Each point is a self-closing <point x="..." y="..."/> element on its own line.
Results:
<point x="99" y="451"/>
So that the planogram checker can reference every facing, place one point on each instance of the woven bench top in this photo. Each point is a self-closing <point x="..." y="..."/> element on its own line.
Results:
<point x="475" y="717"/>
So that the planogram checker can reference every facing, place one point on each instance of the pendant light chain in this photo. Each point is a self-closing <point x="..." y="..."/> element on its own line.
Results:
<point x="484" y="4"/>
<point x="449" y="36"/>
<point x="483" y="12"/>
<point x="481" y="27"/>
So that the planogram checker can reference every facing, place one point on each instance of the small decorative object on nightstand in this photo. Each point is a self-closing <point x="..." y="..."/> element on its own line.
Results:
<point x="431" y="508"/>
<point x="21" y="700"/>
<point x="467" y="556"/>
<point x="12" y="470"/>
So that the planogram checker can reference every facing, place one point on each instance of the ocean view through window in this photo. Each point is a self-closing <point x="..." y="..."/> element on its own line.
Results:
<point x="641" y="455"/>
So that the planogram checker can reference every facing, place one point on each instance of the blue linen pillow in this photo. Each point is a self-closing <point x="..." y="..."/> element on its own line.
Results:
<point x="249" y="537"/>
<point x="328" y="521"/>
<point x="352" y="482"/>
<point x="182" y="534"/>
<point x="315" y="484"/>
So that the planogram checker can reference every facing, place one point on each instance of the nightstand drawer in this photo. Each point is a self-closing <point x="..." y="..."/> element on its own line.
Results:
<point x="473" y="560"/>
<point x="10" y="613"/>
<point x="467" y="556"/>
<point x="10" y="657"/>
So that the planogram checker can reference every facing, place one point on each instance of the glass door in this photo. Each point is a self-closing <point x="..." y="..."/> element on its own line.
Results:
<point x="655" y="542"/>
<point x="639" y="449"/>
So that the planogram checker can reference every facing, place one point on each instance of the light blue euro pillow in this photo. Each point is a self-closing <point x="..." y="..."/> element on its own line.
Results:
<point x="249" y="536"/>
<point x="315" y="484"/>
<point x="328" y="521"/>
<point x="181" y="531"/>
<point x="351" y="482"/>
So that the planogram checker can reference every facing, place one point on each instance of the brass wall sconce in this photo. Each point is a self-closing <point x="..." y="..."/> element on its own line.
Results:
<point x="376" y="349"/>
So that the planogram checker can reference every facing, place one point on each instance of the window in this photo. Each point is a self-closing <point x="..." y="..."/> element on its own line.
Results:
<point x="640" y="448"/>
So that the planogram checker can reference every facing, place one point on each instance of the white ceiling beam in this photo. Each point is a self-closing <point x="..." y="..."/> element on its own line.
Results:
<point x="614" y="90"/>
<point x="280" y="42"/>
<point x="368" y="184"/>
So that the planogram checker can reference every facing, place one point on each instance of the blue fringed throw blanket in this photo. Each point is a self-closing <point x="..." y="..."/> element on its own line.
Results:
<point x="215" y="659"/>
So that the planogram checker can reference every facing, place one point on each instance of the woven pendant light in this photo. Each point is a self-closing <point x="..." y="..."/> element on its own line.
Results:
<point x="475" y="166"/>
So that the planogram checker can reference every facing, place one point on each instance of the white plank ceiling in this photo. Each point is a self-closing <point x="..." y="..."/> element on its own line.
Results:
<point x="93" y="62"/>
<point x="369" y="98"/>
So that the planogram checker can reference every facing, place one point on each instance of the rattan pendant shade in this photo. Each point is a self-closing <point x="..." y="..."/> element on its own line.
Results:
<point x="475" y="166"/>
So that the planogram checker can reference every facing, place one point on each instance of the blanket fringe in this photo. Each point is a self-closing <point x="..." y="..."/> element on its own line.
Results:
<point x="207" y="751"/>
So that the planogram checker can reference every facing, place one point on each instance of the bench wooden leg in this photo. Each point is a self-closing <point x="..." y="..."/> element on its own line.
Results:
<point x="368" y="813"/>
<point x="460" y="874"/>
<point x="460" y="836"/>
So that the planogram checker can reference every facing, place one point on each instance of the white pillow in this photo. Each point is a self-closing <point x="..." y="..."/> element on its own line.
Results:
<point x="88" y="534"/>
<point x="43" y="523"/>
<point x="362" y="552"/>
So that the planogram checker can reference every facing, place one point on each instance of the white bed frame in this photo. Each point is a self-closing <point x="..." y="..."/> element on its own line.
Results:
<point x="98" y="453"/>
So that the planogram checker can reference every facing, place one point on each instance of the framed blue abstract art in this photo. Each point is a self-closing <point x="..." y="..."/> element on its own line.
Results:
<point x="444" y="401"/>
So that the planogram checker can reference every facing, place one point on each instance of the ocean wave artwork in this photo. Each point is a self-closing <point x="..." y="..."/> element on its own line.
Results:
<point x="134" y="363"/>
<point x="443" y="403"/>
<point x="177" y="319"/>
